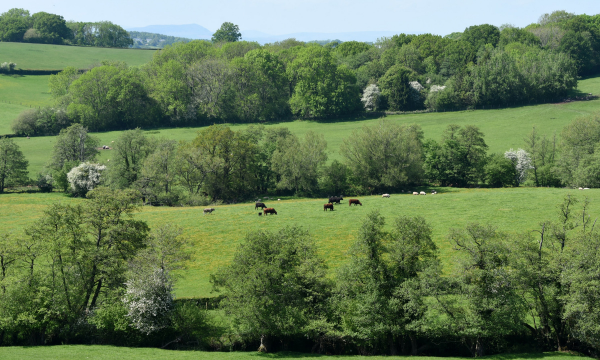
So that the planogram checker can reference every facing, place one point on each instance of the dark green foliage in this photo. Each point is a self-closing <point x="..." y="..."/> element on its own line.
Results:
<point x="13" y="165"/>
<point x="101" y="34"/>
<point x="336" y="178"/>
<point x="578" y="162"/>
<point x="378" y="293"/>
<point x="459" y="159"/>
<point x="500" y="171"/>
<point x="396" y="89"/>
<point x="228" y="32"/>
<point x="384" y="156"/>
<point x="73" y="144"/>
<point x="129" y="152"/>
<point x="50" y="28"/>
<point x="481" y="35"/>
<point x="111" y="96"/>
<point x="275" y="286"/>
<point x="13" y="24"/>
<point x="321" y="88"/>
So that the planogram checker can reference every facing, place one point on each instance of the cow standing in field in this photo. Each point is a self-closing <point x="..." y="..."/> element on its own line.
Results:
<point x="385" y="196"/>
<point x="328" y="206"/>
<point x="208" y="210"/>
<point x="355" y="202"/>
<point x="259" y="205"/>
<point x="269" y="211"/>
<point x="335" y="199"/>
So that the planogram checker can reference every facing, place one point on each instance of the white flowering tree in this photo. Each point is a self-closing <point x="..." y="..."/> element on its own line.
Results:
<point x="85" y="177"/>
<point x="371" y="97"/>
<point x="149" y="300"/>
<point x="522" y="162"/>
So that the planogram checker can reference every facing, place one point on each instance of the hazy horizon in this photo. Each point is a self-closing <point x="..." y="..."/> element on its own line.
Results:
<point x="277" y="18"/>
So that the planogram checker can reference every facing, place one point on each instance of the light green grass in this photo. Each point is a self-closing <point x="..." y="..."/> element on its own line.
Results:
<point x="99" y="352"/>
<point x="8" y="112"/>
<point x="214" y="237"/>
<point x="56" y="57"/>
<point x="503" y="129"/>
<point x="26" y="90"/>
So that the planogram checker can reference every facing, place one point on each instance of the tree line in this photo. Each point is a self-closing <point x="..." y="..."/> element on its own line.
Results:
<point x="229" y="80"/>
<point x="223" y="165"/>
<point x="18" y="25"/>
<point x="92" y="273"/>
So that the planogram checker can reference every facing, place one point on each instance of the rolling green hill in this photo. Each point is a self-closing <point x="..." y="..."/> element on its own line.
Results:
<point x="503" y="129"/>
<point x="214" y="237"/>
<point x="56" y="57"/>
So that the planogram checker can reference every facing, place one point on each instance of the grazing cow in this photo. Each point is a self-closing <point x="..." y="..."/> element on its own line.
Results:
<point x="335" y="199"/>
<point x="259" y="205"/>
<point x="354" y="201"/>
<point x="385" y="196"/>
<point x="328" y="206"/>
<point x="422" y="193"/>
<point x="208" y="210"/>
<point x="269" y="211"/>
<point x="415" y="193"/>
<point x="433" y="192"/>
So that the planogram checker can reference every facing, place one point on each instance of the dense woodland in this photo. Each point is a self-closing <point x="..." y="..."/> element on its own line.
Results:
<point x="18" y="25"/>
<point x="226" y="80"/>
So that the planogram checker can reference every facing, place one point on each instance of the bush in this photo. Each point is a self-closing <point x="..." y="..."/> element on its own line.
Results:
<point x="45" y="183"/>
<point x="500" y="171"/>
<point x="85" y="177"/>
<point x="38" y="122"/>
<point x="7" y="67"/>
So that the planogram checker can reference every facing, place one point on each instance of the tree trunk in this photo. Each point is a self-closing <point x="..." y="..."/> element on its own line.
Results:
<point x="393" y="347"/>
<point x="479" y="348"/>
<point x="414" y="348"/>
<point x="263" y="347"/>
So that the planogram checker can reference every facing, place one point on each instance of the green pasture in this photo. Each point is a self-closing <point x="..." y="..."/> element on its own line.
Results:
<point x="105" y="352"/>
<point x="215" y="237"/>
<point x="100" y="352"/>
<point x="56" y="57"/>
<point x="8" y="112"/>
<point x="26" y="90"/>
<point x="503" y="128"/>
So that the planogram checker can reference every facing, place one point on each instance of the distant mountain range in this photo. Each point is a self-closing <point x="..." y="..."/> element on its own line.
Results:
<point x="195" y="31"/>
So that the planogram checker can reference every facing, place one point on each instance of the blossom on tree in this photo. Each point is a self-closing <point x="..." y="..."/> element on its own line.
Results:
<point x="371" y="96"/>
<point x="85" y="177"/>
<point x="522" y="162"/>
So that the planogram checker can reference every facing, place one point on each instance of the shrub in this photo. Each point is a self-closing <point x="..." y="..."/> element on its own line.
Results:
<point x="149" y="300"/>
<point x="7" y="67"/>
<point x="37" y="122"/>
<point x="500" y="171"/>
<point x="45" y="183"/>
<point x="85" y="177"/>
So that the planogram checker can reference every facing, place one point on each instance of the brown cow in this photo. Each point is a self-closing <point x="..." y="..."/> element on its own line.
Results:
<point x="328" y="206"/>
<point x="354" y="201"/>
<point x="269" y="211"/>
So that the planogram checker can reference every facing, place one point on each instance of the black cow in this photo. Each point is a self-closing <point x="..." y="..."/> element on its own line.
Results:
<point x="259" y="205"/>
<point x="335" y="199"/>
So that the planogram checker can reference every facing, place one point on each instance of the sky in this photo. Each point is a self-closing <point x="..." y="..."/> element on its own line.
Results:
<point x="278" y="17"/>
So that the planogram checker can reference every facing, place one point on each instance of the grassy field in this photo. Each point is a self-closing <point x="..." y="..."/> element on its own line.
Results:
<point x="503" y="129"/>
<point x="27" y="90"/>
<point x="56" y="57"/>
<point x="111" y="352"/>
<point x="214" y="237"/>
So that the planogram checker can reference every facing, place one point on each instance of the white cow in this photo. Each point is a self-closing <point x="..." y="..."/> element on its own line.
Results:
<point x="385" y="196"/>
<point x="415" y="193"/>
<point x="422" y="193"/>
<point x="208" y="210"/>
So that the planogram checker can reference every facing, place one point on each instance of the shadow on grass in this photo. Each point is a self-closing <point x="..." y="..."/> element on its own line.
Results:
<point x="295" y="355"/>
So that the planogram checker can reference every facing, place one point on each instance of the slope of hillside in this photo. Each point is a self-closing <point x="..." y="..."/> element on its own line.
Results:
<point x="55" y="57"/>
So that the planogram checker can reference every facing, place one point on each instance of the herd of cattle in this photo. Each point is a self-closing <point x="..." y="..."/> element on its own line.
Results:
<point x="329" y="206"/>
